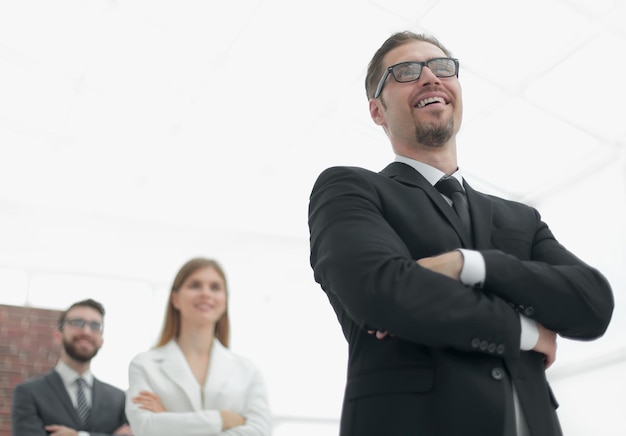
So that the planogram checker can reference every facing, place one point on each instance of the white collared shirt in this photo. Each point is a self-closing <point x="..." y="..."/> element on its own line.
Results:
<point x="69" y="376"/>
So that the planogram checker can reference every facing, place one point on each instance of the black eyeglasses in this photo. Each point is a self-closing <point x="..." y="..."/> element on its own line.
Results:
<point x="411" y="71"/>
<point x="77" y="323"/>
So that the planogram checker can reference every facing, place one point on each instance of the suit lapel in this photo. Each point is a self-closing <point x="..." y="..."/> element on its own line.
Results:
<point x="409" y="176"/>
<point x="219" y="368"/>
<point x="56" y="384"/>
<point x="481" y="211"/>
<point x="96" y="399"/>
<point x="174" y="366"/>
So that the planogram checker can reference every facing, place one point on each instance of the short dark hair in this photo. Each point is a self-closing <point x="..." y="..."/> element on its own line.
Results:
<point x="83" y="303"/>
<point x="375" y="67"/>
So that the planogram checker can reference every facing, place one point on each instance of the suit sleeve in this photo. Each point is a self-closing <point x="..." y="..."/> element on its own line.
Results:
<point x="554" y="286"/>
<point x="114" y="410"/>
<point x="195" y="423"/>
<point x="25" y="417"/>
<point x="373" y="281"/>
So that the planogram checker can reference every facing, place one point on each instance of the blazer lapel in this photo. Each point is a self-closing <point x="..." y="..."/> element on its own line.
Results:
<point x="96" y="399"/>
<point x="481" y="211"/>
<point x="175" y="367"/>
<point x="409" y="176"/>
<point x="56" y="384"/>
<point x="219" y="368"/>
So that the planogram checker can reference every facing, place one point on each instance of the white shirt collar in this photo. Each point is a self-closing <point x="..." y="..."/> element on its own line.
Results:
<point x="430" y="173"/>
<point x="69" y="376"/>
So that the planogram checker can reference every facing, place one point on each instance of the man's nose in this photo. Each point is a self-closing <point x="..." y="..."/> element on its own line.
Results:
<point x="86" y="328"/>
<point x="428" y="76"/>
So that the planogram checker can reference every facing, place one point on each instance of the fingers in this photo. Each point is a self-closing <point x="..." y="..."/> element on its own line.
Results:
<point x="379" y="333"/>
<point x="124" y="430"/>
<point x="546" y="345"/>
<point x="549" y="360"/>
<point x="149" y="401"/>
<point x="550" y="357"/>
<point x="448" y="264"/>
<point x="59" y="430"/>
<point x="148" y="394"/>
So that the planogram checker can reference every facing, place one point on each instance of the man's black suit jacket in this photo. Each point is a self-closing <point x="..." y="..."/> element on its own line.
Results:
<point x="445" y="369"/>
<point x="43" y="400"/>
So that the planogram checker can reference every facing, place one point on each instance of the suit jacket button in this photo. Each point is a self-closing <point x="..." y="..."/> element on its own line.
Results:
<point x="483" y="345"/>
<point x="491" y="348"/>
<point x="500" y="349"/>
<point x="529" y="311"/>
<point x="475" y="343"/>
<point x="497" y="373"/>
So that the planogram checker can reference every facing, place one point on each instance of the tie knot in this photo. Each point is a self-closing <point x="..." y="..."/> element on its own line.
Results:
<point x="81" y="382"/>
<point x="448" y="185"/>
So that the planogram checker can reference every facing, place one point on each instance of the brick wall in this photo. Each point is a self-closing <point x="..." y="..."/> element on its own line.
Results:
<point x="26" y="349"/>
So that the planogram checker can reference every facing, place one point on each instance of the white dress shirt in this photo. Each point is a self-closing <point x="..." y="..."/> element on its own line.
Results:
<point x="69" y="376"/>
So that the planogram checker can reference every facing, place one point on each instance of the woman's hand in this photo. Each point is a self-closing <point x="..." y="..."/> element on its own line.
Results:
<point x="149" y="401"/>
<point x="231" y="419"/>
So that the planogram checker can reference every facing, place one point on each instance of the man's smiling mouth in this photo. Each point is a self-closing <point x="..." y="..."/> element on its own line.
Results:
<point x="428" y="101"/>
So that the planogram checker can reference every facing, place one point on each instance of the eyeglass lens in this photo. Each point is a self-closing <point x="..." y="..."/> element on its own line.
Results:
<point x="94" y="326"/>
<point x="409" y="71"/>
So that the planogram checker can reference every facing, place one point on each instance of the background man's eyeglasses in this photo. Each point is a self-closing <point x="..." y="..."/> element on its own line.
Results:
<point x="411" y="71"/>
<point x="77" y="323"/>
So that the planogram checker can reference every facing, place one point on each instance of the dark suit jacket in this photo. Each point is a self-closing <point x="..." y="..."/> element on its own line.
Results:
<point x="445" y="370"/>
<point x="43" y="400"/>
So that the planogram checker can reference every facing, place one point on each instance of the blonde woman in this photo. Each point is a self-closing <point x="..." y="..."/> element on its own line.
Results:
<point x="191" y="383"/>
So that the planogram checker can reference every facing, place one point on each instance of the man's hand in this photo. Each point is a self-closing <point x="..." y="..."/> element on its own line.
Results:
<point x="149" y="401"/>
<point x="449" y="264"/>
<point x="60" y="430"/>
<point x="124" y="430"/>
<point x="379" y="334"/>
<point x="231" y="419"/>
<point x="546" y="345"/>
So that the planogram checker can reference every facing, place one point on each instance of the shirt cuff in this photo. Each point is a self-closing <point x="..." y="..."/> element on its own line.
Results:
<point x="473" y="270"/>
<point x="83" y="433"/>
<point x="529" y="335"/>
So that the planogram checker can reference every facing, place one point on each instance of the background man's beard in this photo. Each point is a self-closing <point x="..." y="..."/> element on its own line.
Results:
<point x="71" y="351"/>
<point x="434" y="135"/>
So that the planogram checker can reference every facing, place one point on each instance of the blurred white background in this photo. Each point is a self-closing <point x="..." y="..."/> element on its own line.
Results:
<point x="136" y="134"/>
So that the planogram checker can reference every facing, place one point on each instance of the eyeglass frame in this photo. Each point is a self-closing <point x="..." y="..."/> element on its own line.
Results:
<point x="389" y="70"/>
<point x="79" y="324"/>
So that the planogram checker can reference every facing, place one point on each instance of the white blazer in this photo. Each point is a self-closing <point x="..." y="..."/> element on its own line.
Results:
<point x="233" y="383"/>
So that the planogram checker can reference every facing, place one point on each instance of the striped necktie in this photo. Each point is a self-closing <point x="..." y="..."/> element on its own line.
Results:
<point x="81" y="401"/>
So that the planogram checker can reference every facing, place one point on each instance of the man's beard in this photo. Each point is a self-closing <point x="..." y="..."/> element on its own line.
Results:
<point x="434" y="135"/>
<point x="71" y="351"/>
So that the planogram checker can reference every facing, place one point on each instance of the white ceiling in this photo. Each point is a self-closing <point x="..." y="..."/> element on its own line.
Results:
<point x="135" y="134"/>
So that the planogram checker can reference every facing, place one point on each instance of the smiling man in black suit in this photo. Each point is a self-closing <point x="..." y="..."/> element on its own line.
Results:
<point x="451" y="314"/>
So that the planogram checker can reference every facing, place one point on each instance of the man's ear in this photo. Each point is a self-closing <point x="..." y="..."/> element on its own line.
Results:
<point x="377" y="111"/>
<point x="57" y="336"/>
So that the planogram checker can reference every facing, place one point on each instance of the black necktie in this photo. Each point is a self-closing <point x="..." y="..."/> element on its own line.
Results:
<point x="451" y="188"/>
<point x="81" y="401"/>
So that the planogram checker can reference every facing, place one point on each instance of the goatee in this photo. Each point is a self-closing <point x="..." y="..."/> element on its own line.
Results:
<point x="75" y="354"/>
<point x="434" y="135"/>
